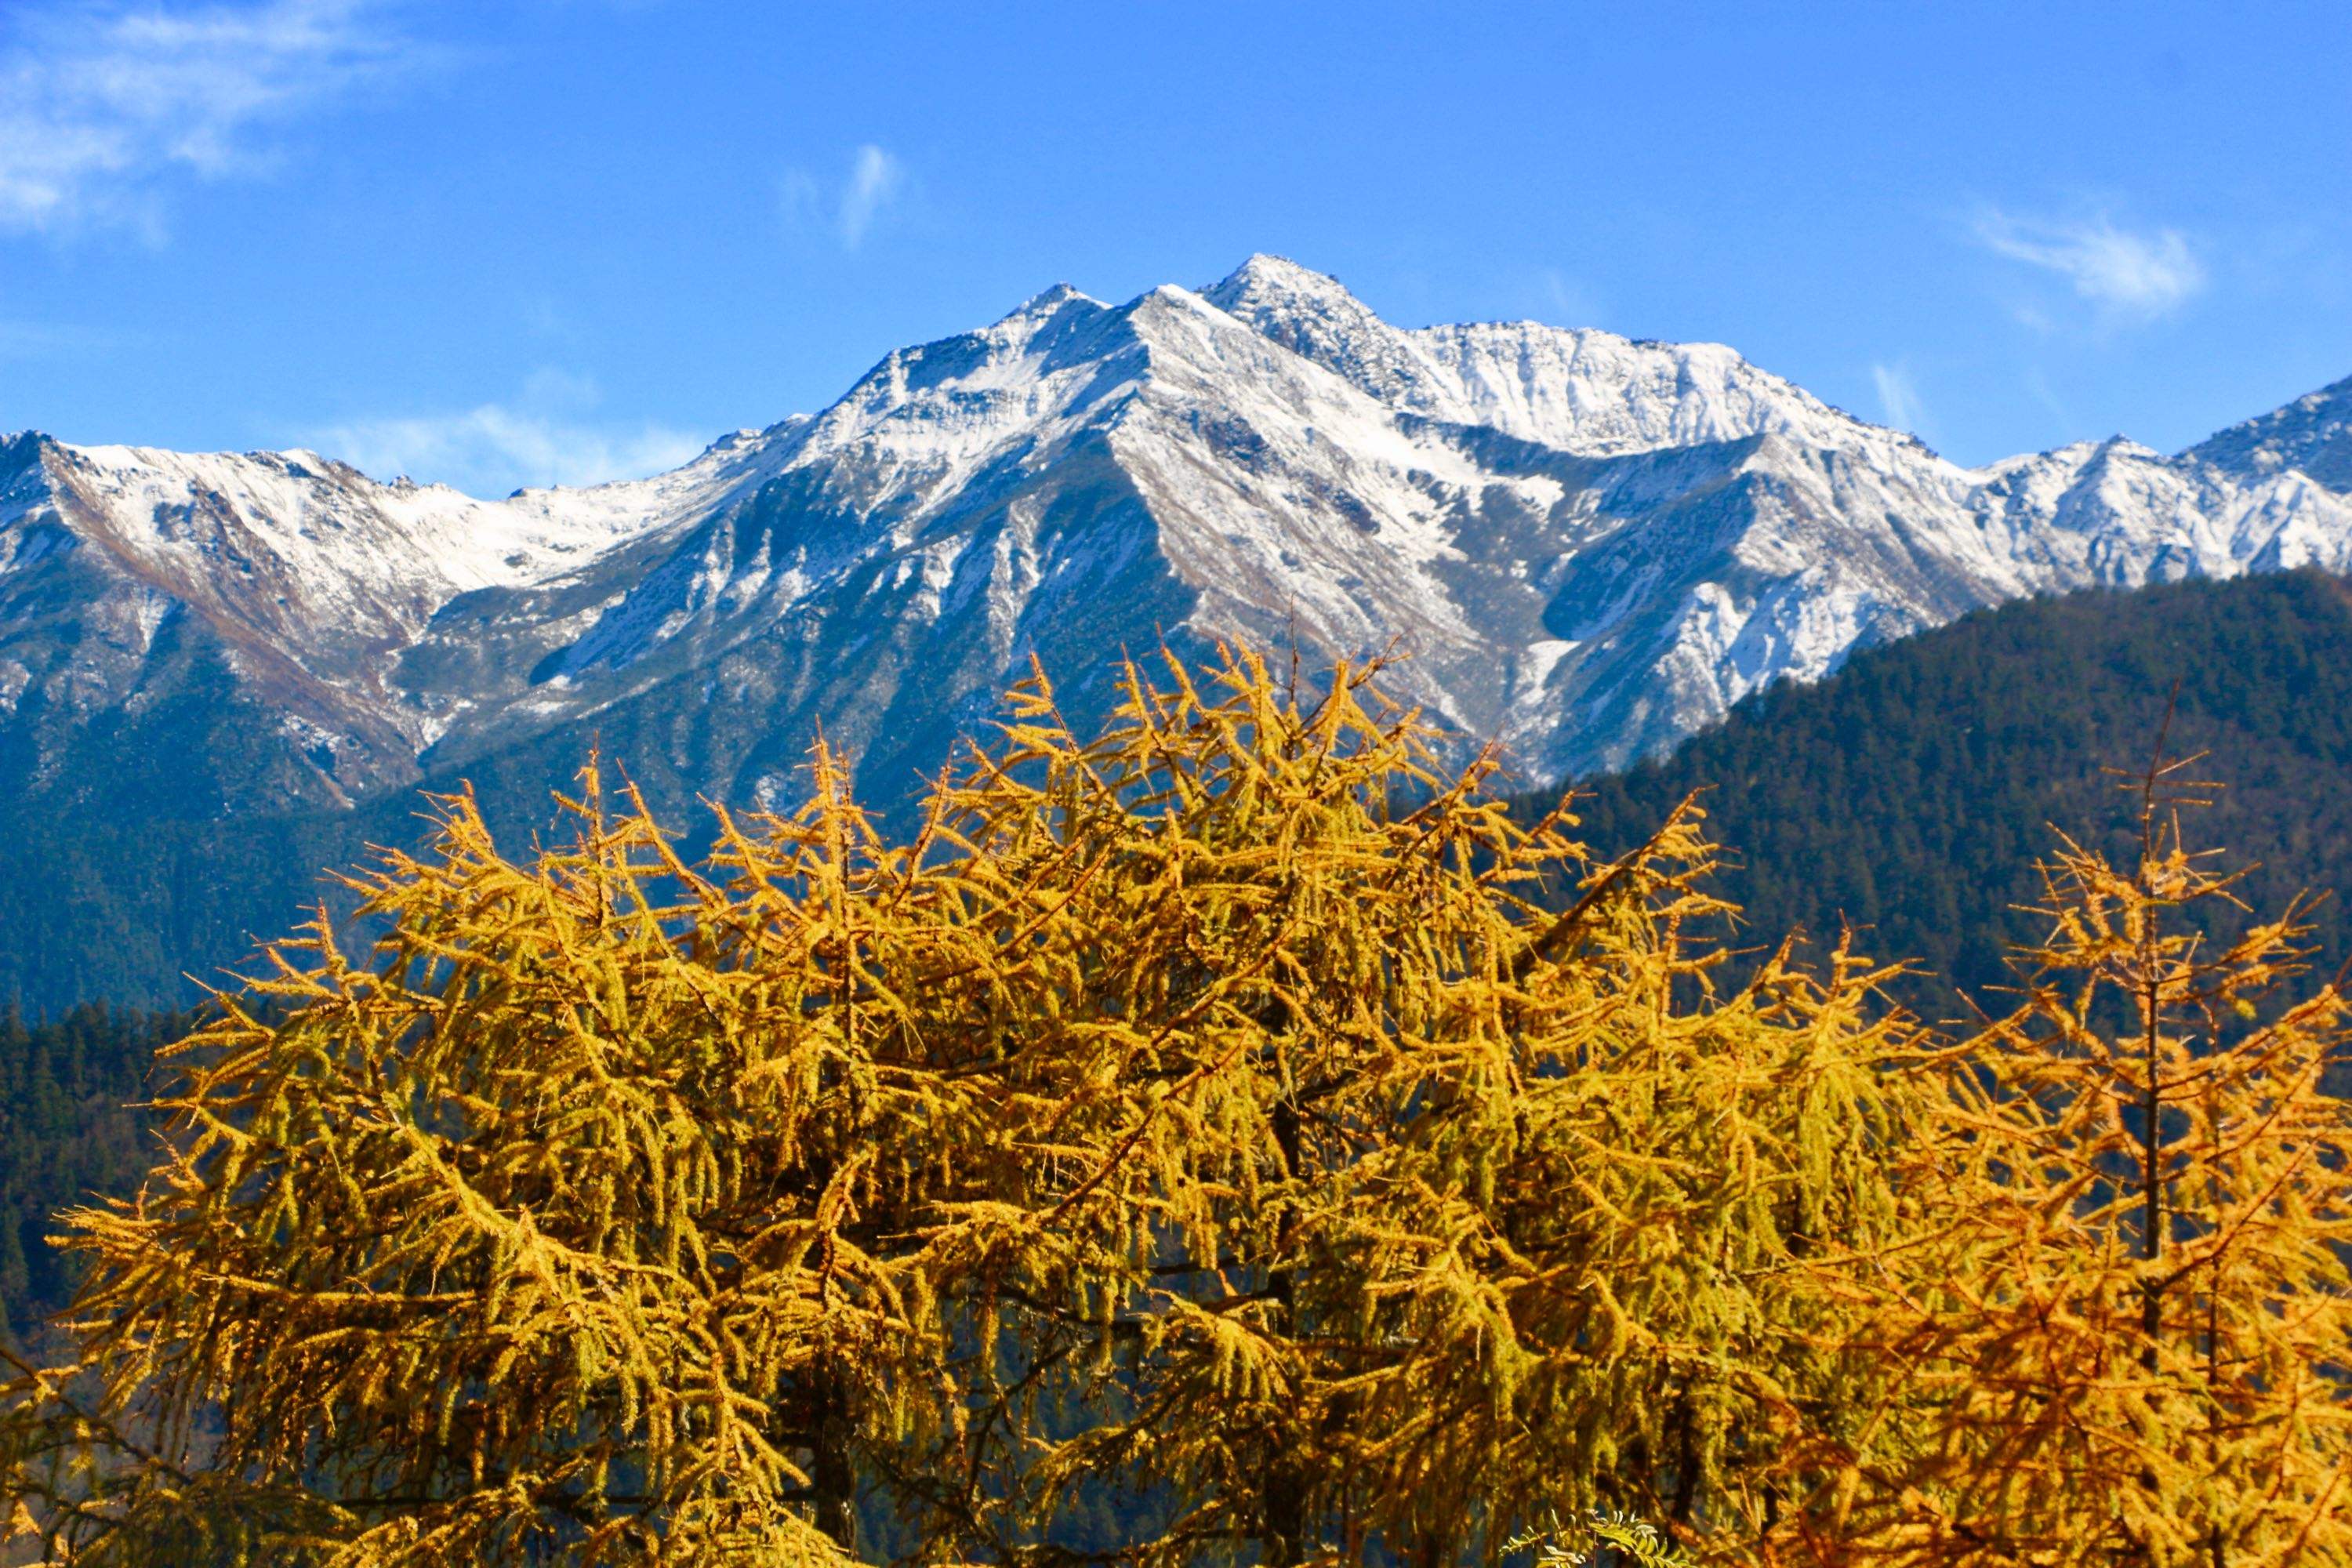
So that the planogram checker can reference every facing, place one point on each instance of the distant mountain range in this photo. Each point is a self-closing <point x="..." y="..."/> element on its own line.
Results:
<point x="1591" y="548"/>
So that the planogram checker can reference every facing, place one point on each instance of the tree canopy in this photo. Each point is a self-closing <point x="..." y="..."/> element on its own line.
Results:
<point x="1217" y="1140"/>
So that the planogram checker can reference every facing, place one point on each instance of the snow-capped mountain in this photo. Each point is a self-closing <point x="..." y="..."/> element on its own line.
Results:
<point x="1588" y="546"/>
<point x="2313" y="435"/>
<point x="287" y="584"/>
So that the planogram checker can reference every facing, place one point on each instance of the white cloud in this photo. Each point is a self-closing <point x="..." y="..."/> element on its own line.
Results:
<point x="2038" y="384"/>
<point x="99" y="102"/>
<point x="1898" y="397"/>
<point x="2122" y="272"/>
<point x="876" y="180"/>
<point x="1573" y="304"/>
<point x="21" y="340"/>
<point x="547" y="435"/>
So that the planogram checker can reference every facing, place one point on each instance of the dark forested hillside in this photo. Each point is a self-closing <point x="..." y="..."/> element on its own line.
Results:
<point x="1912" y="792"/>
<point x="68" y="1128"/>
<point x="145" y="909"/>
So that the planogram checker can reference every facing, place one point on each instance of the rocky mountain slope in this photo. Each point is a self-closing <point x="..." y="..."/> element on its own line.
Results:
<point x="1588" y="546"/>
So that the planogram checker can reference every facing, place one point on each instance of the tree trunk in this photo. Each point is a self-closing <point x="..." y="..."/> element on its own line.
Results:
<point x="1285" y="1495"/>
<point x="833" y="1479"/>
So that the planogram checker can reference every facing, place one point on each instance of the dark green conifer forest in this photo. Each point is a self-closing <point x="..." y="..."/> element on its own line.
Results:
<point x="1912" y="793"/>
<point x="68" y="1129"/>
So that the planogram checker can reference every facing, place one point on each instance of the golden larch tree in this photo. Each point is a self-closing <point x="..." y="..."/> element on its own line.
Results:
<point x="2138" y="1352"/>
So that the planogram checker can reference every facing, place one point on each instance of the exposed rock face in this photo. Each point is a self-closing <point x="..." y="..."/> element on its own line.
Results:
<point x="1588" y="546"/>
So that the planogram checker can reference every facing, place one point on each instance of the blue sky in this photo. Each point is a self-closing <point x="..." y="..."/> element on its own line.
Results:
<point x="565" y="239"/>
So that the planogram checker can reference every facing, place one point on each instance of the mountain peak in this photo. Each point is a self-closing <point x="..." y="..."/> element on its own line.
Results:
<point x="1051" y="298"/>
<point x="1268" y="282"/>
<point x="20" y="451"/>
<point x="1047" y="301"/>
<point x="2313" y="434"/>
<point x="1312" y="314"/>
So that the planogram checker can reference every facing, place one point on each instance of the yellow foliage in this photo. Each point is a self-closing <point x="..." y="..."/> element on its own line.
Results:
<point x="2135" y="1349"/>
<point x="1209" y="1140"/>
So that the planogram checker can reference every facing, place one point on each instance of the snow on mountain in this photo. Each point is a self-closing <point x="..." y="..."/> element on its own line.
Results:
<point x="2312" y="434"/>
<point x="1588" y="393"/>
<point x="1588" y="546"/>
<point x="297" y="576"/>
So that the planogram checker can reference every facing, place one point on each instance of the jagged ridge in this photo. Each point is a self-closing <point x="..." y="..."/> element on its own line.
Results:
<point x="1590" y="546"/>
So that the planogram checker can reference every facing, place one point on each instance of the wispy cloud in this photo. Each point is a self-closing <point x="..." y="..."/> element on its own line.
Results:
<point x="1572" y="304"/>
<point x="21" y="340"/>
<point x="876" y="180"/>
<point x="1898" y="397"/>
<point x="98" y="103"/>
<point x="2037" y="382"/>
<point x="2141" y="274"/>
<point x="548" y="435"/>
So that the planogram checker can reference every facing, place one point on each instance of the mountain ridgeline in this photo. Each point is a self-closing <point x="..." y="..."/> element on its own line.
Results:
<point x="1911" y="794"/>
<point x="221" y="673"/>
